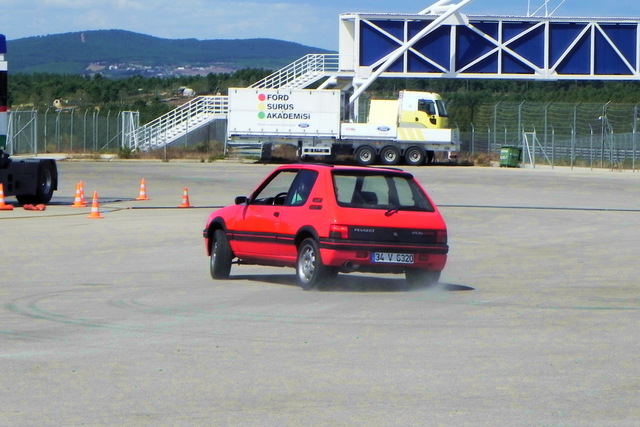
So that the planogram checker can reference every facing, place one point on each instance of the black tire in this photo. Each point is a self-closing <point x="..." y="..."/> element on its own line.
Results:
<point x="414" y="156"/>
<point x="365" y="155"/>
<point x="310" y="272"/>
<point x="424" y="278"/>
<point x="390" y="155"/>
<point x="221" y="256"/>
<point x="45" y="185"/>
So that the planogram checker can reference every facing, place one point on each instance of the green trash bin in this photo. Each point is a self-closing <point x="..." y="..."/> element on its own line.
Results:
<point x="510" y="156"/>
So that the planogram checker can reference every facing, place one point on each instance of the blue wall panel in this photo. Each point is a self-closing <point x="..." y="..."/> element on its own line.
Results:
<point x="471" y="46"/>
<point x="527" y="47"/>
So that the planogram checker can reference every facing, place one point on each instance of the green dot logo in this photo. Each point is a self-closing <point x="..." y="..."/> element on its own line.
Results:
<point x="262" y="115"/>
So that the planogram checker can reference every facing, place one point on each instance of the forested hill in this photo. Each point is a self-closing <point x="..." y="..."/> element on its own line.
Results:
<point x="118" y="51"/>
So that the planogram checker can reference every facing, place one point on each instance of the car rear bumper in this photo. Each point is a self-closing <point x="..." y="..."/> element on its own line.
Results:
<point x="350" y="255"/>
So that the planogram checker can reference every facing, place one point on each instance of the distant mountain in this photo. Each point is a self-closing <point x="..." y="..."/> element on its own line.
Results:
<point x="124" y="52"/>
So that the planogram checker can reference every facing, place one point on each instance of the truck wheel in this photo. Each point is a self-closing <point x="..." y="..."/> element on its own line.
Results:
<point x="414" y="156"/>
<point x="365" y="155"/>
<point x="310" y="272"/>
<point x="45" y="185"/>
<point x="221" y="256"/>
<point x="390" y="155"/>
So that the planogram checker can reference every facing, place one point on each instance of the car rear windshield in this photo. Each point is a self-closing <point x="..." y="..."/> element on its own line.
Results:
<point x="379" y="190"/>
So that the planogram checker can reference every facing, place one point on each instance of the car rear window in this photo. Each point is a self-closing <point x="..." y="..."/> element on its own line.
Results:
<point x="379" y="190"/>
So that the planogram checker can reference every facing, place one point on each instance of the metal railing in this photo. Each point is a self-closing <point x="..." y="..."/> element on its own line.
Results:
<point x="179" y="122"/>
<point x="301" y="73"/>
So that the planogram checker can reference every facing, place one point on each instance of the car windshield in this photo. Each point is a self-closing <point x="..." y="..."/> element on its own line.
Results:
<point x="379" y="190"/>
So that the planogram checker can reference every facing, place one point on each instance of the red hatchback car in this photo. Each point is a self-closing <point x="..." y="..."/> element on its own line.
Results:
<point x="324" y="219"/>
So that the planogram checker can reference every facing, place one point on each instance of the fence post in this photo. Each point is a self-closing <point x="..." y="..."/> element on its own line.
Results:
<point x="495" y="127"/>
<point x="473" y="139"/>
<point x="45" y="129"/>
<point x="573" y="144"/>
<point x="591" y="145"/>
<point x="634" y="137"/>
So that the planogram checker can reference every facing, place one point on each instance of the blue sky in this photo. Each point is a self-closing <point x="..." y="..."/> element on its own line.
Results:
<point x="313" y="23"/>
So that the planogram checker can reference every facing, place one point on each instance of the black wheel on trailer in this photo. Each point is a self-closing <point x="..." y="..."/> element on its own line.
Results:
<point x="365" y="155"/>
<point x="45" y="185"/>
<point x="414" y="156"/>
<point x="390" y="155"/>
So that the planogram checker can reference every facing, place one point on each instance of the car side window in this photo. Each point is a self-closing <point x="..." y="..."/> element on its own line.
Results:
<point x="275" y="191"/>
<point x="301" y="188"/>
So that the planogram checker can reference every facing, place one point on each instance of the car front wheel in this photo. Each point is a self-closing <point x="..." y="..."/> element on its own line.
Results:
<point x="221" y="257"/>
<point x="310" y="272"/>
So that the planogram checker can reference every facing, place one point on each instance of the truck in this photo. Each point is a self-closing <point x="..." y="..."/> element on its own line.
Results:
<point x="30" y="180"/>
<point x="320" y="124"/>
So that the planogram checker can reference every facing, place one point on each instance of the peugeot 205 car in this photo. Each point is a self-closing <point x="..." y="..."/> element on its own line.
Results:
<point x="323" y="220"/>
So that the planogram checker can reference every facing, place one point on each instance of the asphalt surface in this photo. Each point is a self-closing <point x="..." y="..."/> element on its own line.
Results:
<point x="116" y="321"/>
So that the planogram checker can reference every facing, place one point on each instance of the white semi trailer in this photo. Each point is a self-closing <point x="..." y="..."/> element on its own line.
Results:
<point x="412" y="127"/>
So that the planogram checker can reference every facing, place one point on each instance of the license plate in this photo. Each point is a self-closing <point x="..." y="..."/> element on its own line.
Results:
<point x="394" y="258"/>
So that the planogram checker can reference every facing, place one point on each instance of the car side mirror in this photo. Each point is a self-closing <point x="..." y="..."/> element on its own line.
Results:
<point x="241" y="200"/>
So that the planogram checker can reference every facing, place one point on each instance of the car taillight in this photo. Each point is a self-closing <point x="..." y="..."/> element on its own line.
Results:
<point x="441" y="236"/>
<point x="338" y="231"/>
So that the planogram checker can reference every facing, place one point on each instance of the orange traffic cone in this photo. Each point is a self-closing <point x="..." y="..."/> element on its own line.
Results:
<point x="143" y="191"/>
<point x="3" y="205"/>
<point x="81" y="185"/>
<point x="95" y="208"/>
<point x="79" y="202"/>
<point x="185" y="199"/>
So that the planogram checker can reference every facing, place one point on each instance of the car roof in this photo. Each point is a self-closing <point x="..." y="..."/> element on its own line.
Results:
<point x="325" y="166"/>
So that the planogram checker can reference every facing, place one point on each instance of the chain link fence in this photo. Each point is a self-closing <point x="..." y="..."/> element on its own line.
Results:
<point x="67" y="131"/>
<point x="588" y="134"/>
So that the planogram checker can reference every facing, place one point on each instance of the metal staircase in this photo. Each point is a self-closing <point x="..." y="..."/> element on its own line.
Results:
<point x="302" y="73"/>
<point x="201" y="110"/>
<point x="179" y="122"/>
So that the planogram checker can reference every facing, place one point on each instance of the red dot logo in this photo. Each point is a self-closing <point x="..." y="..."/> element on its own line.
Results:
<point x="262" y="97"/>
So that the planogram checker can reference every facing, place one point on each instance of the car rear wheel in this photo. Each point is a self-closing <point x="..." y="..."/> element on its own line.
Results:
<point x="426" y="278"/>
<point x="310" y="272"/>
<point x="221" y="257"/>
